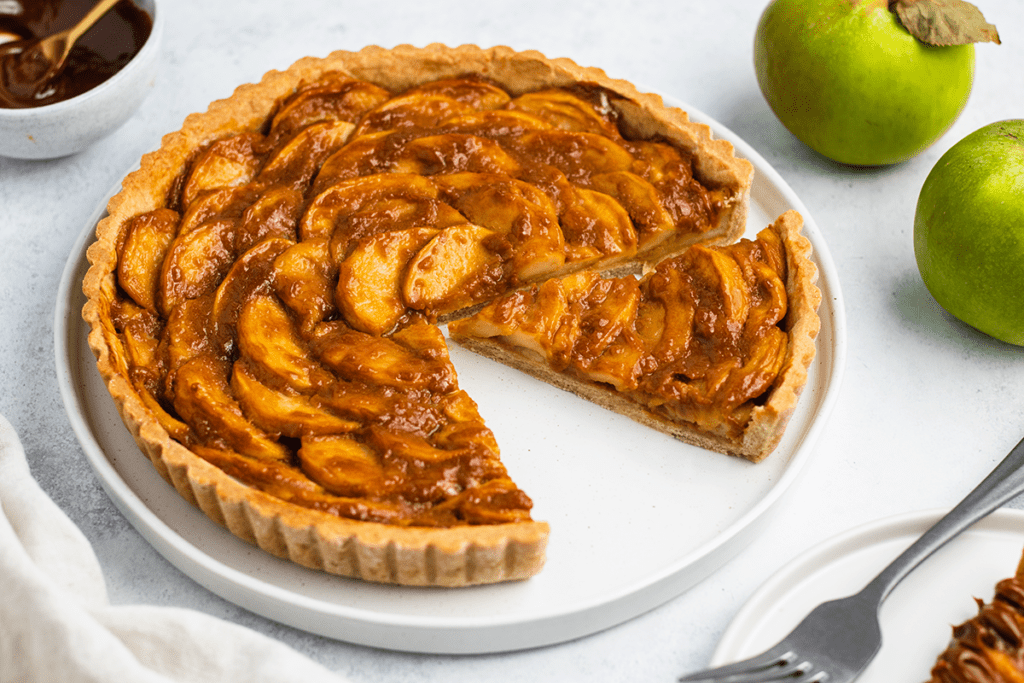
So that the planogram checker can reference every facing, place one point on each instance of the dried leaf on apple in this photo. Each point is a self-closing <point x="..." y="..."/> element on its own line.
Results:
<point x="944" y="22"/>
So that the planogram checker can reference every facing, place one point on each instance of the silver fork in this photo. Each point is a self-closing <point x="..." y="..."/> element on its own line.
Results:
<point x="839" y="638"/>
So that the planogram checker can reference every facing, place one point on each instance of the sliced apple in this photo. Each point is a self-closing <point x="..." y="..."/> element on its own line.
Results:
<point x="251" y="274"/>
<point x="203" y="399"/>
<point x="408" y="447"/>
<point x="413" y="110"/>
<point x="452" y="153"/>
<point x="426" y="473"/>
<point x="335" y="204"/>
<point x="709" y="301"/>
<point x="188" y="333"/>
<point x="369" y="291"/>
<point x="360" y="157"/>
<point x="465" y="428"/>
<point x="722" y="300"/>
<point x="292" y="484"/>
<point x="667" y="294"/>
<point x="494" y="502"/>
<point x="662" y="162"/>
<point x="391" y="215"/>
<point x="231" y="162"/>
<point x="140" y="332"/>
<point x="761" y="366"/>
<point x="566" y="111"/>
<point x="268" y="337"/>
<point x="769" y="302"/>
<point x="427" y="105"/>
<point x="174" y="427"/>
<point x="225" y="203"/>
<point x="283" y="412"/>
<point x="650" y="323"/>
<point x="343" y="466"/>
<point x="475" y="92"/>
<point x="667" y="168"/>
<point x="335" y="97"/>
<point x="640" y="199"/>
<point x="195" y="263"/>
<point x="296" y="162"/>
<point x="494" y="123"/>
<point x="304" y="279"/>
<point x="455" y="269"/>
<point x="596" y="227"/>
<point x="358" y="401"/>
<point x="619" y="363"/>
<point x="539" y="319"/>
<point x="609" y="307"/>
<point x="513" y="208"/>
<point x="274" y="214"/>
<point x="426" y="341"/>
<point x="577" y="155"/>
<point x="146" y="244"/>
<point x="279" y="479"/>
<point x="459" y="406"/>
<point x="357" y="356"/>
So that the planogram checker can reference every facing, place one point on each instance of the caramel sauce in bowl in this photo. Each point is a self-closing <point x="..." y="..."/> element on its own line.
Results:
<point x="111" y="71"/>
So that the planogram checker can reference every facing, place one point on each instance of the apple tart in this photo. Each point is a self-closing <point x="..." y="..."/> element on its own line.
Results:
<point x="265" y="293"/>
<point x="711" y="346"/>
<point x="989" y="647"/>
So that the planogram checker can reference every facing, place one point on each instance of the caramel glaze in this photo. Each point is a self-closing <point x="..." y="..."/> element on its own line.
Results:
<point x="277" y="317"/>
<point x="990" y="647"/>
<point x="101" y="52"/>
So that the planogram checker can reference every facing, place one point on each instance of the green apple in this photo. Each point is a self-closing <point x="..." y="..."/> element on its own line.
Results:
<point x="847" y="79"/>
<point x="969" y="230"/>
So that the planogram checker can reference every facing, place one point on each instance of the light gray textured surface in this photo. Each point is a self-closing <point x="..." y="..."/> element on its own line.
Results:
<point x="927" y="407"/>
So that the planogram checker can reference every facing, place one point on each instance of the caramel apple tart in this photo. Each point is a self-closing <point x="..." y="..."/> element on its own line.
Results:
<point x="711" y="346"/>
<point x="265" y="293"/>
<point x="989" y="647"/>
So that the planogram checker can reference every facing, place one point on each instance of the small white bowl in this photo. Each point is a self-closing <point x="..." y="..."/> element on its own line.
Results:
<point x="67" y="127"/>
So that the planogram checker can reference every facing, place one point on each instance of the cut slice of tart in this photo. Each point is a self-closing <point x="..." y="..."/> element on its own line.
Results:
<point x="989" y="647"/>
<point x="711" y="346"/>
<point x="263" y="296"/>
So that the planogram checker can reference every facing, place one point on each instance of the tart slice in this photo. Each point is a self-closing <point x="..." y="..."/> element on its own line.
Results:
<point x="264" y="294"/>
<point x="989" y="646"/>
<point x="711" y="346"/>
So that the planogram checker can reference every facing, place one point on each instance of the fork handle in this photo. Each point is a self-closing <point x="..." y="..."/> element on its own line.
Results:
<point x="1005" y="482"/>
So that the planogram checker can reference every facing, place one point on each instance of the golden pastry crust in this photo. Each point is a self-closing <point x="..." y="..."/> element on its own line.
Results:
<point x="762" y="426"/>
<point x="462" y="555"/>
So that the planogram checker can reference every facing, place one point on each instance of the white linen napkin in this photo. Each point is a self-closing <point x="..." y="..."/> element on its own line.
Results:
<point x="56" y="623"/>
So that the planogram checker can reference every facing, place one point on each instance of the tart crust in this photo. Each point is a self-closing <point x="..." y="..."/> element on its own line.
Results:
<point x="377" y="552"/>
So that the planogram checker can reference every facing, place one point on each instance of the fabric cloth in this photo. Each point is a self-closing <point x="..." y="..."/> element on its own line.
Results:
<point x="56" y="623"/>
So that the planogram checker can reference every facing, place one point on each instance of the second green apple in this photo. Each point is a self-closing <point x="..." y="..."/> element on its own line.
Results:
<point x="849" y="81"/>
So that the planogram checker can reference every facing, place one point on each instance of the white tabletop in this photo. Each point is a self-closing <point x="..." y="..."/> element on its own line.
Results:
<point x="927" y="406"/>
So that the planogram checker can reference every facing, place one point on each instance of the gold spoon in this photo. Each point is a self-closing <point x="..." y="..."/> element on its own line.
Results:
<point x="29" y="65"/>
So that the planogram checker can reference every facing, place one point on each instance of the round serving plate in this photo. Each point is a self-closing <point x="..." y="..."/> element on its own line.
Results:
<point x="636" y="517"/>
<point x="917" y="616"/>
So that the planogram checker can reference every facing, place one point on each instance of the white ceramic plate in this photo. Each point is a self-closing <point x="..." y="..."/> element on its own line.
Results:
<point x="622" y="500"/>
<point x="916" y="618"/>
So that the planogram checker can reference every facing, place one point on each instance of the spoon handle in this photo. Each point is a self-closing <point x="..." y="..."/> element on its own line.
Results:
<point x="90" y="18"/>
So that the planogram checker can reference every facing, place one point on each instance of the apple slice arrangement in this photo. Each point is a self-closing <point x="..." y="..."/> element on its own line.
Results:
<point x="870" y="83"/>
